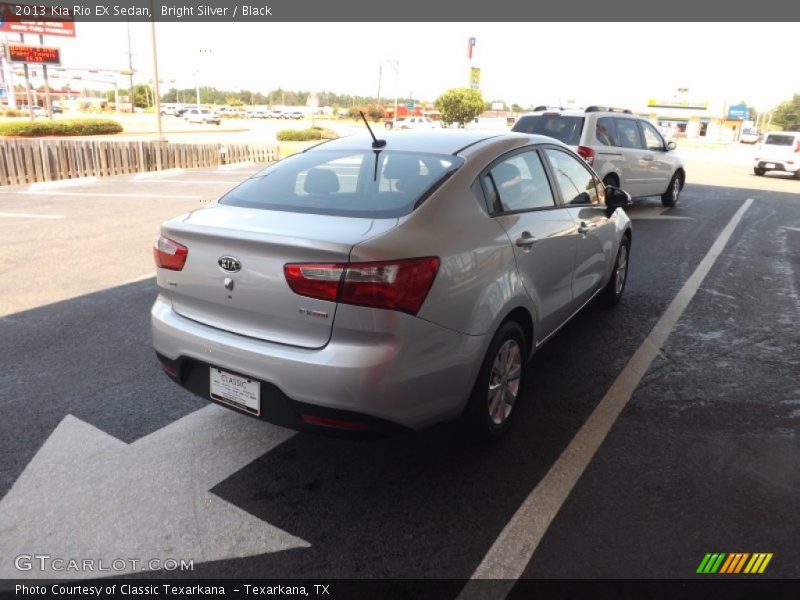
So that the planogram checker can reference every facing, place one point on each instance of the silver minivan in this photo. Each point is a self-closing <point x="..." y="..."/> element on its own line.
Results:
<point x="365" y="286"/>
<point x="625" y="149"/>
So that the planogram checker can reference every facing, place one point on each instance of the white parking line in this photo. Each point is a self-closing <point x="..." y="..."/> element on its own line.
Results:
<point x="512" y="551"/>
<point x="156" y="174"/>
<point x="114" y="195"/>
<point x="236" y="166"/>
<point x="792" y="228"/>
<point x="28" y="216"/>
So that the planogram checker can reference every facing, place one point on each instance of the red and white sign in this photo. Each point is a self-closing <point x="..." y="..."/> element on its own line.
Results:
<point x="35" y="20"/>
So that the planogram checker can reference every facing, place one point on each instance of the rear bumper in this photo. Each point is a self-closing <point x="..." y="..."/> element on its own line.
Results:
<point x="415" y="376"/>
<point x="776" y="165"/>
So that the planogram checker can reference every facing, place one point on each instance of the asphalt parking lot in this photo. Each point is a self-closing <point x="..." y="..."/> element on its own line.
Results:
<point x="105" y="457"/>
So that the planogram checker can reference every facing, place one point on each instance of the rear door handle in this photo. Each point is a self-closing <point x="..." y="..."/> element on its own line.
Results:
<point x="526" y="240"/>
<point x="584" y="227"/>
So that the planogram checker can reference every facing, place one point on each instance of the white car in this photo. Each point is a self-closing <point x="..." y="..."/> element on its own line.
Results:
<point x="750" y="135"/>
<point x="413" y="123"/>
<point x="626" y="150"/>
<point x="779" y="152"/>
<point x="201" y="115"/>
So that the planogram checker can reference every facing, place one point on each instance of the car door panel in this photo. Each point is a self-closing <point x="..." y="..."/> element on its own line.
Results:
<point x="659" y="168"/>
<point x="579" y="191"/>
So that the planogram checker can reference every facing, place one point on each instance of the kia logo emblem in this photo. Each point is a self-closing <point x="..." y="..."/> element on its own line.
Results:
<point x="229" y="264"/>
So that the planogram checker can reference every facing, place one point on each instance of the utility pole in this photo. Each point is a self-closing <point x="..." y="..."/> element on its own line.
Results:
<point x="27" y="82"/>
<point x="130" y="67"/>
<point x="156" y="90"/>
<point x="380" y="76"/>
<point x="47" y="102"/>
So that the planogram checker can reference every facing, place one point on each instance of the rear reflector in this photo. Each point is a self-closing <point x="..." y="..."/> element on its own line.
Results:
<point x="393" y="284"/>
<point x="169" y="370"/>
<point x="169" y="254"/>
<point x="587" y="153"/>
<point x="328" y="422"/>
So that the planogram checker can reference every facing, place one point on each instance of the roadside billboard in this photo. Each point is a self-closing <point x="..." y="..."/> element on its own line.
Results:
<point x="40" y="55"/>
<point x="18" y="18"/>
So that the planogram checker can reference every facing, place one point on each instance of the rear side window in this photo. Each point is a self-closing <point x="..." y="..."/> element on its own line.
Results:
<point x="345" y="183"/>
<point x="518" y="183"/>
<point x="628" y="134"/>
<point x="776" y="139"/>
<point x="564" y="129"/>
<point x="606" y="131"/>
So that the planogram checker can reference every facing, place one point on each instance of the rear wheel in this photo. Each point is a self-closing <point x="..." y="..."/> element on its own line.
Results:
<point x="670" y="197"/>
<point x="500" y="381"/>
<point x="758" y="171"/>
<point x="612" y="293"/>
<point x="797" y="174"/>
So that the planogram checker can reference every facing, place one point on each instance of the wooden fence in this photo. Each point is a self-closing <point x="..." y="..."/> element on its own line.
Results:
<point x="29" y="161"/>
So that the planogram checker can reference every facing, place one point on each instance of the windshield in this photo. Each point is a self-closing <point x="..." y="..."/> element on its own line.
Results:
<point x="564" y="129"/>
<point x="353" y="183"/>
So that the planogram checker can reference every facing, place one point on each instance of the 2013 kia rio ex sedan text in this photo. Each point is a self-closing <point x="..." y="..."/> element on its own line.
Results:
<point x="363" y="286"/>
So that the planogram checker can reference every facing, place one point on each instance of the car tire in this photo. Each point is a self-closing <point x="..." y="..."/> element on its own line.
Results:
<point x="797" y="174"/>
<point x="488" y="416"/>
<point x="759" y="172"/>
<point x="615" y="287"/>
<point x="670" y="197"/>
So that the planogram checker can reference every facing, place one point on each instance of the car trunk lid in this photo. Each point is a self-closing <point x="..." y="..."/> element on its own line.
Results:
<point x="256" y="300"/>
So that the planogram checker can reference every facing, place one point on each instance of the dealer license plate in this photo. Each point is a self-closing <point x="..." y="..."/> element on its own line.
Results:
<point x="240" y="392"/>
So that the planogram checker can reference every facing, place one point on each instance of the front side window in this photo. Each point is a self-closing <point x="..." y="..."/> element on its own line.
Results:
<point x="355" y="183"/>
<point x="574" y="180"/>
<point x="652" y="138"/>
<point x="628" y="134"/>
<point x="519" y="183"/>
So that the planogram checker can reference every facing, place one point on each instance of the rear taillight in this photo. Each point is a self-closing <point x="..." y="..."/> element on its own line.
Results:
<point x="587" y="154"/>
<point x="169" y="254"/>
<point x="393" y="284"/>
<point x="797" y="146"/>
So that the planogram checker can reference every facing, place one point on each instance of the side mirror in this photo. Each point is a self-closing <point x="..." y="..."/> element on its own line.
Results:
<point x="671" y="146"/>
<point x="617" y="198"/>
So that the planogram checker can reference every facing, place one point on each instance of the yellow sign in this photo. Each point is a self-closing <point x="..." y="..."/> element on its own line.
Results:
<point x="475" y="78"/>
<point x="676" y="104"/>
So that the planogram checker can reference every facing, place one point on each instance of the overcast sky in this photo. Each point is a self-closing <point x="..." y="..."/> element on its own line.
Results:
<point x="597" y="63"/>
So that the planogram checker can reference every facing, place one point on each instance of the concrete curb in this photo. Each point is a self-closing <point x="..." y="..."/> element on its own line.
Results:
<point x="58" y="183"/>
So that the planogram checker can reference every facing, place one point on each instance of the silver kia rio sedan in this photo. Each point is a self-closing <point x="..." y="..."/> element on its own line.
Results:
<point x="365" y="286"/>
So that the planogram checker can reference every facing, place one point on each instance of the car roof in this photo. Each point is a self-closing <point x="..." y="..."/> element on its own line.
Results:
<point x="434" y="141"/>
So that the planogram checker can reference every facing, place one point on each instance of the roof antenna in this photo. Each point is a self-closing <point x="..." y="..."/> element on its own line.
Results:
<point x="376" y="143"/>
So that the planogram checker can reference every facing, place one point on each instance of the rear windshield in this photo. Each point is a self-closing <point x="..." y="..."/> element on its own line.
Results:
<point x="352" y="183"/>
<point x="779" y="140"/>
<point x="564" y="129"/>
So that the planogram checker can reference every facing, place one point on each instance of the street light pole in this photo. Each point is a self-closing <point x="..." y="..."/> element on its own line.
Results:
<point x="156" y="90"/>
<point x="130" y="68"/>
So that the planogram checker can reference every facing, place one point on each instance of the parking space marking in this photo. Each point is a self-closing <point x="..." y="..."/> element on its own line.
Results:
<point x="792" y="228"/>
<point x="156" y="174"/>
<point x="28" y="216"/>
<point x="512" y="551"/>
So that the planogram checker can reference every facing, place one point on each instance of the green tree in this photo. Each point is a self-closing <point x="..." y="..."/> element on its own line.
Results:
<point x="141" y="96"/>
<point x="787" y="115"/>
<point x="459" y="105"/>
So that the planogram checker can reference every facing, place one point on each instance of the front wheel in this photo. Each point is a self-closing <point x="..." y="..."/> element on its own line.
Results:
<point x="670" y="197"/>
<point x="612" y="293"/>
<point x="500" y="382"/>
<point x="758" y="171"/>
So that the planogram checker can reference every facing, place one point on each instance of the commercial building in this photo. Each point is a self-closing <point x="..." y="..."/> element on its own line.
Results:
<point x="718" y="121"/>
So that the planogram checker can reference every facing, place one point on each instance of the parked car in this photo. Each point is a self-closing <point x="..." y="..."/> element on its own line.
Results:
<point x="182" y="109"/>
<point x="275" y="114"/>
<point x="260" y="113"/>
<point x="202" y="115"/>
<point x="779" y="152"/>
<point x="626" y="150"/>
<point x="360" y="288"/>
<point x="56" y="108"/>
<point x="750" y="135"/>
<point x="296" y="114"/>
<point x="413" y="123"/>
<point x="170" y="109"/>
<point x="39" y="111"/>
